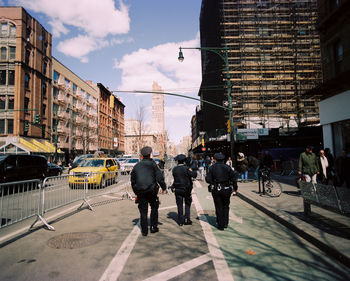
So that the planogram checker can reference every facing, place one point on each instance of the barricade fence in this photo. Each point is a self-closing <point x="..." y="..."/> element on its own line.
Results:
<point x="332" y="196"/>
<point x="26" y="199"/>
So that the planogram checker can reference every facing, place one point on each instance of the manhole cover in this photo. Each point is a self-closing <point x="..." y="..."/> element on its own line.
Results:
<point x="74" y="240"/>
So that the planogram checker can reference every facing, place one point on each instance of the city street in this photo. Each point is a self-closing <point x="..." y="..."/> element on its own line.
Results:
<point x="105" y="244"/>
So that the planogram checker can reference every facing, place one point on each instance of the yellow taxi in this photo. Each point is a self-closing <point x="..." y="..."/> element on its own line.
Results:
<point x="97" y="172"/>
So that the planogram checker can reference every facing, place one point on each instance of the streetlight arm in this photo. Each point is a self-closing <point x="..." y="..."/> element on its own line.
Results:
<point x="172" y="94"/>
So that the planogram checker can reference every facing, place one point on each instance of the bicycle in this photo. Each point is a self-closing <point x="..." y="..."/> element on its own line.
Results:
<point x="270" y="187"/>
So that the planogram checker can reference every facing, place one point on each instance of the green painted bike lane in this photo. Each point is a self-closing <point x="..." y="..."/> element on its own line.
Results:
<point x="256" y="247"/>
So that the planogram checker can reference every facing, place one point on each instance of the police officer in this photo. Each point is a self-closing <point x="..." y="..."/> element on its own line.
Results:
<point x="145" y="177"/>
<point x="183" y="187"/>
<point x="222" y="180"/>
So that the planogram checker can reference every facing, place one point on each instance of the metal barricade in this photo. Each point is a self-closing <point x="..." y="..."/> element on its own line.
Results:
<point x="19" y="201"/>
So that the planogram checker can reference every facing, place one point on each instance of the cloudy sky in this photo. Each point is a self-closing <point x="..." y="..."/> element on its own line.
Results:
<point x="127" y="45"/>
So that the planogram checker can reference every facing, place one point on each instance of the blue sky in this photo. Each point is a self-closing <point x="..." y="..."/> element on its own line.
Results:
<point x="126" y="45"/>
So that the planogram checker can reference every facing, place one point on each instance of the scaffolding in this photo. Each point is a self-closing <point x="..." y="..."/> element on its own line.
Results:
<point x="274" y="57"/>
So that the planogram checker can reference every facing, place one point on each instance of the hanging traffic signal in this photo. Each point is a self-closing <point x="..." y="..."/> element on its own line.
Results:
<point x="36" y="118"/>
<point x="26" y="126"/>
<point x="203" y="142"/>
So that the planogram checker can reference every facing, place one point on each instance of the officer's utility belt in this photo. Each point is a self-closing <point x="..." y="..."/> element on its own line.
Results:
<point x="220" y="186"/>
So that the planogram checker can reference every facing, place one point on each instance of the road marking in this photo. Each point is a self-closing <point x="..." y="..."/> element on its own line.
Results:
<point x="118" y="262"/>
<point x="235" y="218"/>
<point x="180" y="269"/>
<point x="222" y="270"/>
<point x="169" y="207"/>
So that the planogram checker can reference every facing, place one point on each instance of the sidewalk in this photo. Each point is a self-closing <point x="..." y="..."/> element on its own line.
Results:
<point x="327" y="230"/>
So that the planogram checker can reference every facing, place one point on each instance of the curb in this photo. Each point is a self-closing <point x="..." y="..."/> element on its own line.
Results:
<point x="330" y="251"/>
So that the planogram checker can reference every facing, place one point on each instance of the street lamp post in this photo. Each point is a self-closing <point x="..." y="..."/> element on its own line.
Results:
<point x="222" y="53"/>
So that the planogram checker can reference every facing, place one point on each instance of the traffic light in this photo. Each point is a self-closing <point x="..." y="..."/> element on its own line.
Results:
<point x="228" y="126"/>
<point x="36" y="118"/>
<point x="203" y="142"/>
<point x="26" y="126"/>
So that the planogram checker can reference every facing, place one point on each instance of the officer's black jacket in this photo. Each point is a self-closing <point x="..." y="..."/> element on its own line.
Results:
<point x="145" y="175"/>
<point x="183" y="177"/>
<point x="221" y="173"/>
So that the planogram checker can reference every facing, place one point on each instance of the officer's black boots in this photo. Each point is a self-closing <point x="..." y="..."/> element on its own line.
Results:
<point x="188" y="222"/>
<point x="154" y="229"/>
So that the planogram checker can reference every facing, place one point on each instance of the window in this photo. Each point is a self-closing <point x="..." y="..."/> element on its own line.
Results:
<point x="67" y="83"/>
<point x="12" y="30"/>
<point x="11" y="102"/>
<point x="74" y="88"/>
<point x="44" y="67"/>
<point x="2" y="126"/>
<point x="55" y="108"/>
<point x="43" y="128"/>
<point x="12" y="53"/>
<point x="10" y="126"/>
<point x="4" y="28"/>
<point x="2" y="102"/>
<point x="2" y="77"/>
<point x="45" y="48"/>
<point x="27" y="57"/>
<point x="56" y="76"/>
<point x="11" y="80"/>
<point x="26" y="80"/>
<point x="43" y="110"/>
<point x="26" y="103"/>
<point x="3" y="53"/>
<point x="338" y="57"/>
<point x="43" y="88"/>
<point x="28" y="31"/>
<point x="55" y="93"/>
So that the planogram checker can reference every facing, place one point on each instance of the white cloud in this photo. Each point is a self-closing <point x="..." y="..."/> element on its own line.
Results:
<point x="180" y="110"/>
<point x="160" y="64"/>
<point x="94" y="20"/>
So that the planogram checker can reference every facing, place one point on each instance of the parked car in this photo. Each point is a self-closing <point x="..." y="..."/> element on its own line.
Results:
<point x="95" y="171"/>
<point x="128" y="164"/>
<point x="54" y="169"/>
<point x="19" y="167"/>
<point x="78" y="159"/>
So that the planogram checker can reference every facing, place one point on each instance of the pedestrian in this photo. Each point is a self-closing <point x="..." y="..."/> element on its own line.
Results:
<point x="254" y="163"/>
<point x="229" y="162"/>
<point x="242" y="164"/>
<point x="207" y="163"/>
<point x="145" y="177"/>
<point x="222" y="181"/>
<point x="308" y="165"/>
<point x="182" y="186"/>
<point x="267" y="160"/>
<point x="323" y="164"/>
<point x="330" y="168"/>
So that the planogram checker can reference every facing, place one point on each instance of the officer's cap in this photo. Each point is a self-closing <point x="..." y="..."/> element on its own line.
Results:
<point x="146" y="151"/>
<point x="219" y="156"/>
<point x="180" y="157"/>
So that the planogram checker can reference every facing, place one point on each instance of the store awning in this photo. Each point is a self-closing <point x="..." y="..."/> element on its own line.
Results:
<point x="20" y="145"/>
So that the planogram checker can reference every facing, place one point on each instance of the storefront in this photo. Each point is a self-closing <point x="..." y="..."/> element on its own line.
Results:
<point x="335" y="121"/>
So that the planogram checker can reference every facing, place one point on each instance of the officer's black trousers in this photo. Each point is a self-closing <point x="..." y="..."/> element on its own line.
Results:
<point x="180" y="198"/>
<point x="145" y="199"/>
<point x="222" y="207"/>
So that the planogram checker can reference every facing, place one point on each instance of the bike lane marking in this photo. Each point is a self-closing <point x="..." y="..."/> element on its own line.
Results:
<point x="180" y="269"/>
<point x="117" y="264"/>
<point x="221" y="267"/>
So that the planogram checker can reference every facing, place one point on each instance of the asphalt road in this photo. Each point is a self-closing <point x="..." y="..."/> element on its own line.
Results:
<point x="105" y="244"/>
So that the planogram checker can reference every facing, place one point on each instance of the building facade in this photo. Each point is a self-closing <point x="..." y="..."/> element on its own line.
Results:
<point x="111" y="136"/>
<point x="334" y="26"/>
<point x="273" y="59"/>
<point x="74" y="108"/>
<point x="25" y="75"/>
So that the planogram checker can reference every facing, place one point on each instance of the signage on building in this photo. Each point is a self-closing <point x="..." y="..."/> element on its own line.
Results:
<point x="253" y="134"/>
<point x="115" y="144"/>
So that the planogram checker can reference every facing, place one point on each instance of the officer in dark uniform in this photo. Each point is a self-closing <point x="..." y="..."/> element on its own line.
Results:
<point x="183" y="187"/>
<point x="222" y="180"/>
<point x="145" y="177"/>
